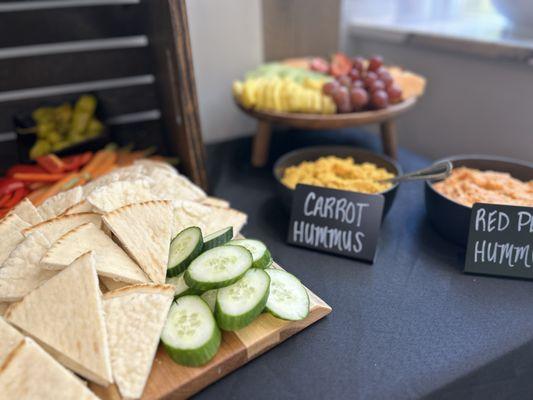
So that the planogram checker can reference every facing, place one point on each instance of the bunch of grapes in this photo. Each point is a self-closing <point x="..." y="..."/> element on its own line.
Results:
<point x="364" y="88"/>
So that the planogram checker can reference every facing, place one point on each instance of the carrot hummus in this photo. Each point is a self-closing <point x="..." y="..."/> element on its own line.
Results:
<point x="338" y="173"/>
<point x="468" y="186"/>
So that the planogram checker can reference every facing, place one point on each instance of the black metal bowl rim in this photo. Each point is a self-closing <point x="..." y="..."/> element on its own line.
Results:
<point x="473" y="157"/>
<point x="296" y="151"/>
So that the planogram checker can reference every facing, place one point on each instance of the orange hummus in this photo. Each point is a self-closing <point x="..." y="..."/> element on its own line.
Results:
<point x="468" y="186"/>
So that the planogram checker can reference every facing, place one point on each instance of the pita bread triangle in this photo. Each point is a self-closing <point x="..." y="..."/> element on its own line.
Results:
<point x="81" y="207"/>
<point x="21" y="271"/>
<point x="132" y="348"/>
<point x="121" y="193"/>
<point x="110" y="259"/>
<point x="65" y="315"/>
<point x="144" y="231"/>
<point x="9" y="339"/>
<point x="54" y="228"/>
<point x="208" y="218"/>
<point x="11" y="235"/>
<point x="30" y="373"/>
<point x="57" y="204"/>
<point x="27" y="212"/>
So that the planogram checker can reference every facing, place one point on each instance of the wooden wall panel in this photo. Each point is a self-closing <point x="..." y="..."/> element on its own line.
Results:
<point x="296" y="28"/>
<point x="56" y="69"/>
<point x="80" y="23"/>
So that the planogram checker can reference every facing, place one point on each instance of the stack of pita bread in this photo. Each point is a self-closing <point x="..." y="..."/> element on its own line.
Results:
<point x="82" y="280"/>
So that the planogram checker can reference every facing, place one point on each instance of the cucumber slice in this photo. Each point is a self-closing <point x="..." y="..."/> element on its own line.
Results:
<point x="191" y="335"/>
<point x="288" y="298"/>
<point x="260" y="254"/>
<point x="184" y="248"/>
<point x="239" y="304"/>
<point x="218" y="267"/>
<point x="180" y="287"/>
<point x="218" y="238"/>
<point x="210" y="297"/>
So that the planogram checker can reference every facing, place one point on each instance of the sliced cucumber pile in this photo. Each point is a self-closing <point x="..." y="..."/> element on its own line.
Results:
<point x="260" y="254"/>
<point x="184" y="248"/>
<point x="191" y="336"/>
<point x="218" y="238"/>
<point x="218" y="267"/>
<point x="180" y="287"/>
<point x="222" y="284"/>
<point x="239" y="304"/>
<point x="288" y="298"/>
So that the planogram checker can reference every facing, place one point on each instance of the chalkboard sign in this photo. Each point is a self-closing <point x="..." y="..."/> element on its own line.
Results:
<point x="500" y="241"/>
<point x="336" y="221"/>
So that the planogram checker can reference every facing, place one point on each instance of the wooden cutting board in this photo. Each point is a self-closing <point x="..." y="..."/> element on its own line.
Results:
<point x="170" y="380"/>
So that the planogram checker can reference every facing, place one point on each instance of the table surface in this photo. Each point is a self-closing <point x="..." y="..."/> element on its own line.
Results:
<point x="411" y="325"/>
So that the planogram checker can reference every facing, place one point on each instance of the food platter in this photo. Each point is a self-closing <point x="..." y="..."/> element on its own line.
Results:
<point x="331" y="121"/>
<point x="170" y="380"/>
<point x="141" y="285"/>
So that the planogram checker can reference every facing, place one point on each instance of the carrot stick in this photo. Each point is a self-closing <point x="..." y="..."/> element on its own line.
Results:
<point x="31" y="177"/>
<point x="55" y="188"/>
<point x="103" y="170"/>
<point x="36" y="194"/>
<point x="101" y="157"/>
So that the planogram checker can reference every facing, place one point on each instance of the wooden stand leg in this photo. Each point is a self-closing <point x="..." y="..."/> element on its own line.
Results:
<point x="261" y="144"/>
<point x="389" y="141"/>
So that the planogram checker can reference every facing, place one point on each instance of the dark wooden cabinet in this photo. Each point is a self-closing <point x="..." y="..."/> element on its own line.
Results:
<point x="134" y="55"/>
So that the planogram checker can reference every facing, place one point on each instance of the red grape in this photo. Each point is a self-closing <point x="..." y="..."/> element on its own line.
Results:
<point x="358" y="63"/>
<point x="376" y="85"/>
<point x="370" y="78"/>
<point x="344" y="80"/>
<point x="342" y="100"/>
<point x="358" y="84"/>
<point x="354" y="74"/>
<point x="384" y="75"/>
<point x="359" y="98"/>
<point x="374" y="63"/>
<point x="395" y="93"/>
<point x="330" y="87"/>
<point x="387" y="80"/>
<point x="340" y="95"/>
<point x="344" y="107"/>
<point x="379" y="99"/>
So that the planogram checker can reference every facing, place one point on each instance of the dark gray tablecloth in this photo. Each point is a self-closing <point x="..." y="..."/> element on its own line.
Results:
<point x="411" y="325"/>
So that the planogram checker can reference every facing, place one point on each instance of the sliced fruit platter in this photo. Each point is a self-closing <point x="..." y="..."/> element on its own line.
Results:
<point x="96" y="277"/>
<point x="318" y="86"/>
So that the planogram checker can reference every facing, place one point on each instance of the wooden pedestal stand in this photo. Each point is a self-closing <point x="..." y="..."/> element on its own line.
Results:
<point x="385" y="119"/>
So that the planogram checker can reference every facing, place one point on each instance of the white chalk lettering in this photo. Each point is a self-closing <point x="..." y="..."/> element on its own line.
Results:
<point x="310" y="196"/>
<point x="524" y="219"/>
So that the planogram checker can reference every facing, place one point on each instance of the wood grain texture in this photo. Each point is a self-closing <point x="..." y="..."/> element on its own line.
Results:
<point x="389" y="138"/>
<point x="169" y="380"/>
<point x="41" y="26"/>
<point x="170" y="45"/>
<point x="56" y="69"/>
<point x="331" y="121"/>
<point x="261" y="143"/>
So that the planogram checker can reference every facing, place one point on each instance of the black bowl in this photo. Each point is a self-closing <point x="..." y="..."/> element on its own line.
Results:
<point x="451" y="219"/>
<point x="313" y="153"/>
